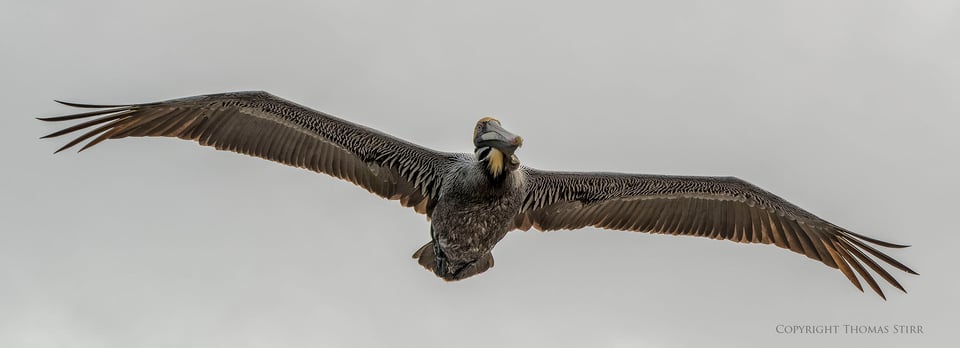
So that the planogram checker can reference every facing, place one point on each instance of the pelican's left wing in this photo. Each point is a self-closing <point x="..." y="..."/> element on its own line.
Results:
<point x="714" y="207"/>
<point x="265" y="126"/>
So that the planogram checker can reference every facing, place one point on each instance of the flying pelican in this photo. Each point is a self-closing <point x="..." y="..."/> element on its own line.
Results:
<point x="473" y="200"/>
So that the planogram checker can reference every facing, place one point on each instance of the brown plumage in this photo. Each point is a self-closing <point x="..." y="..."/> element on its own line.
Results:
<point x="714" y="207"/>
<point x="473" y="201"/>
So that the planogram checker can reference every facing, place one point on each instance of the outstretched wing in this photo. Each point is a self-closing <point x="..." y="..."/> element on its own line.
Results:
<point x="715" y="207"/>
<point x="265" y="126"/>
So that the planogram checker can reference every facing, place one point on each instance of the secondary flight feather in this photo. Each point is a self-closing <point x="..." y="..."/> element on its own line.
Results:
<point x="473" y="200"/>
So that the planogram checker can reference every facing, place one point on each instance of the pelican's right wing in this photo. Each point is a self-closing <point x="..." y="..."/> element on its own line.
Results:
<point x="714" y="207"/>
<point x="265" y="126"/>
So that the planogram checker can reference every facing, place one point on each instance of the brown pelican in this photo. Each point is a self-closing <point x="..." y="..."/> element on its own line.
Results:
<point x="472" y="201"/>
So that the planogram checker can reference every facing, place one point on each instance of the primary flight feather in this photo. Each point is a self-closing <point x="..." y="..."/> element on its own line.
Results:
<point x="473" y="200"/>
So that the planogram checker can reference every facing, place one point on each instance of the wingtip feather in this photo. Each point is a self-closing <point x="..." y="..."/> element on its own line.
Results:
<point x="79" y="105"/>
<point x="873" y="240"/>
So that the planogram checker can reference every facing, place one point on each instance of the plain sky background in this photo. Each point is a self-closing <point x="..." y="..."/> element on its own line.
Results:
<point x="847" y="108"/>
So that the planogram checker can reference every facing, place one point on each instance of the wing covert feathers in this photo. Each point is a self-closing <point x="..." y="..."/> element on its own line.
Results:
<point x="262" y="125"/>
<point x="713" y="207"/>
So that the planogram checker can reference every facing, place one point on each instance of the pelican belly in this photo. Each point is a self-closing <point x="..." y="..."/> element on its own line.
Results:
<point x="473" y="213"/>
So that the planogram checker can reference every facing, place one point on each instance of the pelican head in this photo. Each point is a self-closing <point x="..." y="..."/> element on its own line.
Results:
<point x="496" y="146"/>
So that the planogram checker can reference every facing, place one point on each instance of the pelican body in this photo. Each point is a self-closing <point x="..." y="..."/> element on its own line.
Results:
<point x="475" y="210"/>
<point x="474" y="200"/>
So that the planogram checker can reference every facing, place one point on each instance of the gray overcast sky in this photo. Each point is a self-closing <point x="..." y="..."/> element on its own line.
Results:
<point x="847" y="108"/>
